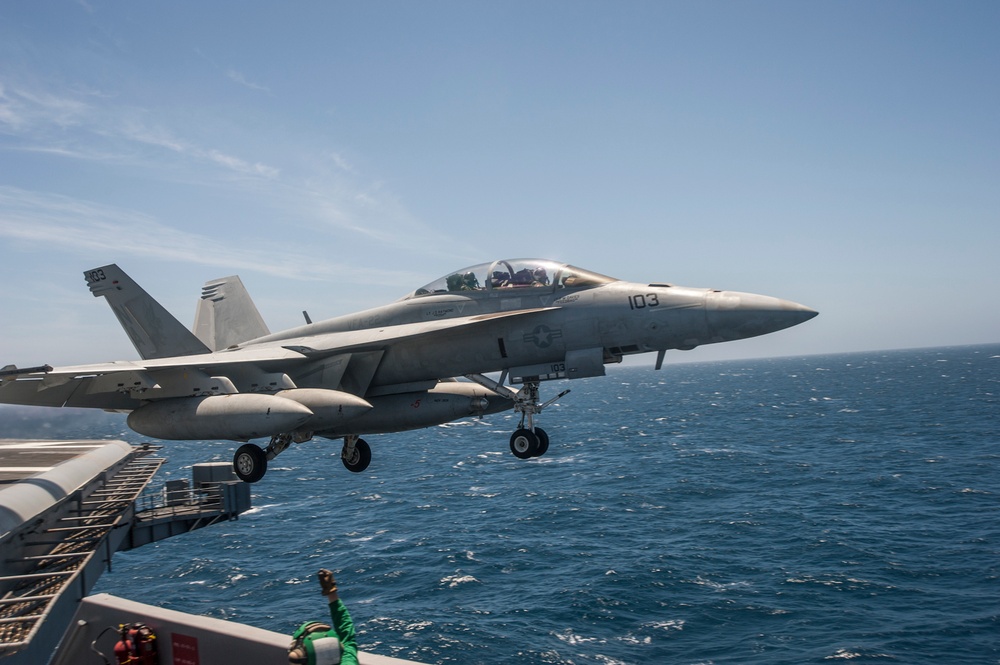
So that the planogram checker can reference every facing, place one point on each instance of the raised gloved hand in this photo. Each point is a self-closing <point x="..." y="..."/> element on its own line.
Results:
<point x="327" y="584"/>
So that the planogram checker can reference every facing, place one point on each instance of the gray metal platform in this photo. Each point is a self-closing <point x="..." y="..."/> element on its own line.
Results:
<point x="62" y="511"/>
<point x="65" y="508"/>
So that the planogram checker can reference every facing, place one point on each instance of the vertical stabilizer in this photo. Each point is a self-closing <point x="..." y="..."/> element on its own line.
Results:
<point x="226" y="315"/>
<point x="152" y="329"/>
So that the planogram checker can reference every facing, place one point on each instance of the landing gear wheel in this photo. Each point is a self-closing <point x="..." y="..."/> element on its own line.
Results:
<point x="360" y="458"/>
<point x="250" y="463"/>
<point x="543" y="441"/>
<point x="523" y="443"/>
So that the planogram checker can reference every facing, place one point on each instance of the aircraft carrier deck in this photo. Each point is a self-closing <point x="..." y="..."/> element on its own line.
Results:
<point x="65" y="508"/>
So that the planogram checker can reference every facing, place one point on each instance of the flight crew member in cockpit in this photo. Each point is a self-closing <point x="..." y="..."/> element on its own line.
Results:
<point x="315" y="643"/>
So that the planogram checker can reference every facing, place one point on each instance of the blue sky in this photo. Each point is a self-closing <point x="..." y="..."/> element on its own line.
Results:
<point x="336" y="155"/>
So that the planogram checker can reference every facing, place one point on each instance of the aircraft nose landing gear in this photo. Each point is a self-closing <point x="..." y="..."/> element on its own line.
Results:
<point x="525" y="443"/>
<point x="527" y="440"/>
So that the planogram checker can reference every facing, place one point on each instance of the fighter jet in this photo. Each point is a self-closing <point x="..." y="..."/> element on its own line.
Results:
<point x="420" y="361"/>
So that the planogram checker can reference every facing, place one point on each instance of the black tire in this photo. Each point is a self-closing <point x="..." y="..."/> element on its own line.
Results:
<point x="523" y="443"/>
<point x="361" y="458"/>
<point x="250" y="463"/>
<point x="543" y="441"/>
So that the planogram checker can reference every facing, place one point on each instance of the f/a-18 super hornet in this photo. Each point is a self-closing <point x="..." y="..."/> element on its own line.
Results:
<point x="388" y="369"/>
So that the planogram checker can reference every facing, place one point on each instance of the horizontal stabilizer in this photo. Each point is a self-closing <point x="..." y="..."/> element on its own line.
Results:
<point x="12" y="371"/>
<point x="154" y="332"/>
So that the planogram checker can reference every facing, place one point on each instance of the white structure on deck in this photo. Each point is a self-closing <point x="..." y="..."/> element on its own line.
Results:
<point x="180" y="637"/>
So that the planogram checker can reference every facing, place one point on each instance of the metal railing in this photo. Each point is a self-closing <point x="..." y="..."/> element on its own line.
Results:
<point x="173" y="500"/>
<point x="61" y="552"/>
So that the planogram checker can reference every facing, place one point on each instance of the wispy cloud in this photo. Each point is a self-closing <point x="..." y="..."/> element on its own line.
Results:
<point x="43" y="107"/>
<point x="25" y="111"/>
<point x="134" y="129"/>
<point x="242" y="166"/>
<point x="34" y="116"/>
<point x="328" y="196"/>
<point x="341" y="162"/>
<point x="242" y="80"/>
<point x="87" y="228"/>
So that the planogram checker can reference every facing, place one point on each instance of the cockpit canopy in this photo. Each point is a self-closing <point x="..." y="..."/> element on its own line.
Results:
<point x="513" y="274"/>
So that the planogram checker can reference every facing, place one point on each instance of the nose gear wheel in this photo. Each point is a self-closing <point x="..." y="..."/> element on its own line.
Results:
<point x="524" y="443"/>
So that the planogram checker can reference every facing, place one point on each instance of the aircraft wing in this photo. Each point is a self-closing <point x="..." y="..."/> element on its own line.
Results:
<point x="123" y="385"/>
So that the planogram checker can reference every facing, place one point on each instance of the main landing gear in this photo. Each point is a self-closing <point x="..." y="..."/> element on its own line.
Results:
<point x="357" y="454"/>
<point x="250" y="460"/>
<point x="527" y="440"/>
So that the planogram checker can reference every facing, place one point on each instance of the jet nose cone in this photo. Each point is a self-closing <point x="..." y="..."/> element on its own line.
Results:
<point x="733" y="315"/>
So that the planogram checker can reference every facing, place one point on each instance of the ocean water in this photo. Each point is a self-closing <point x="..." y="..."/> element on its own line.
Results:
<point x="796" y="510"/>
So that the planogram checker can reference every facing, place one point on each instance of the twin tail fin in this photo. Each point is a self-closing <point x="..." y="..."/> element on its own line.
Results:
<point x="225" y="315"/>
<point x="154" y="331"/>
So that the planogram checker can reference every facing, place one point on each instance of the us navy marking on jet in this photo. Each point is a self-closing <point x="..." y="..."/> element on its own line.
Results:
<point x="387" y="369"/>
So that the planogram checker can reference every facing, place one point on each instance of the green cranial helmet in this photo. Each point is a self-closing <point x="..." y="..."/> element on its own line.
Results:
<point x="298" y="652"/>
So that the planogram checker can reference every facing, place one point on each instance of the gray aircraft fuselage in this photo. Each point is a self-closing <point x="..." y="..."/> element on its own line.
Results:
<point x="592" y="324"/>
